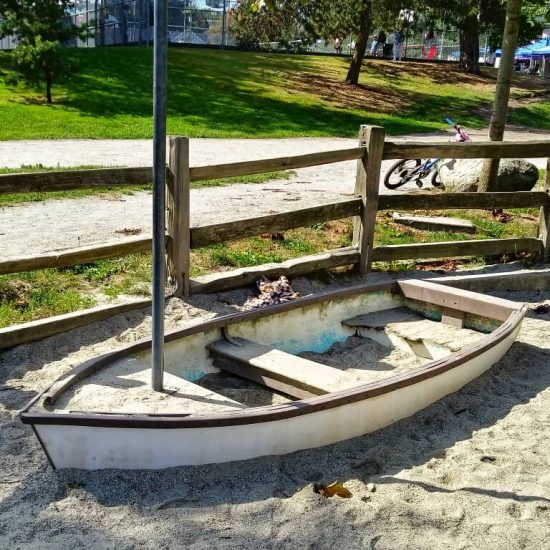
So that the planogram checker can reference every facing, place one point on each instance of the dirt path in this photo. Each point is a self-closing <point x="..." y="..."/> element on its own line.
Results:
<point x="55" y="225"/>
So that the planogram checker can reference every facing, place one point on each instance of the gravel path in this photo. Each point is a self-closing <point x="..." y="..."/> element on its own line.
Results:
<point x="56" y="225"/>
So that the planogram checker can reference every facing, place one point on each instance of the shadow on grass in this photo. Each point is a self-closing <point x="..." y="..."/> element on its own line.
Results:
<point x="238" y="94"/>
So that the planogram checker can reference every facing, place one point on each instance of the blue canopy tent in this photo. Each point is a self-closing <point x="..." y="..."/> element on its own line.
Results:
<point x="525" y="53"/>
<point x="541" y="52"/>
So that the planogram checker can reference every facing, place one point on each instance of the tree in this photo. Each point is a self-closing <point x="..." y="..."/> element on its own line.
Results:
<point x="40" y="27"/>
<point x="256" y="23"/>
<point x="300" y="22"/>
<point x="502" y="92"/>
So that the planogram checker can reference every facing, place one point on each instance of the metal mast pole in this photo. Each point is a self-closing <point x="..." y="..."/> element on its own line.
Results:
<point x="159" y="183"/>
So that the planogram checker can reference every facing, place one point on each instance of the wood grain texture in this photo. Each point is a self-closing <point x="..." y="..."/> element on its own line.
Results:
<point x="477" y="150"/>
<point x="218" y="282"/>
<point x="36" y="330"/>
<point x="373" y="161"/>
<point x="450" y="249"/>
<point x="245" y="168"/>
<point x="74" y="179"/>
<point x="240" y="229"/>
<point x="360" y="190"/>
<point x="544" y="219"/>
<point x="79" y="255"/>
<point x="178" y="247"/>
<point x="443" y="201"/>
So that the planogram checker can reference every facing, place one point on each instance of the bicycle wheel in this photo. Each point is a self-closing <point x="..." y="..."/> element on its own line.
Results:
<point x="400" y="173"/>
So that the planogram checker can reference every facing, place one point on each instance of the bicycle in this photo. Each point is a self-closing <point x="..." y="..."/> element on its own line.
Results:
<point x="417" y="170"/>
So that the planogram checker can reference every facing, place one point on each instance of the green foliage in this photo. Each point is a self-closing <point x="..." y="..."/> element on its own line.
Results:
<point x="535" y="15"/>
<point x="38" y="62"/>
<point x="40" y="27"/>
<point x="257" y="24"/>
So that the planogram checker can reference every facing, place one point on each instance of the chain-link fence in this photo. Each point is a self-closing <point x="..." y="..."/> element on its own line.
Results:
<point x="111" y="22"/>
<point x="206" y="22"/>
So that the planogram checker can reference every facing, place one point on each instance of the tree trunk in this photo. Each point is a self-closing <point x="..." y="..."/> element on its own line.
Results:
<point x="469" y="45"/>
<point x="360" y="46"/>
<point x="48" y="89"/>
<point x="489" y="172"/>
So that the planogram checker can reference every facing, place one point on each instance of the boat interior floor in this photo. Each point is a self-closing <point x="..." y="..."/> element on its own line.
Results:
<point x="379" y="345"/>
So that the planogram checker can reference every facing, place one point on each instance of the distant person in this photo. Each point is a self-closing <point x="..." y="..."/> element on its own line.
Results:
<point x="338" y="45"/>
<point x="397" y="44"/>
<point x="377" y="41"/>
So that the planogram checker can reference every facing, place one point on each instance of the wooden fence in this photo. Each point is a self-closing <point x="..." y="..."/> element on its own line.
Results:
<point x="372" y="149"/>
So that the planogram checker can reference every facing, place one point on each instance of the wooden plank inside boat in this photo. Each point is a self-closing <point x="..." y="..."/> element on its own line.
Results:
<point x="407" y="330"/>
<point x="277" y="369"/>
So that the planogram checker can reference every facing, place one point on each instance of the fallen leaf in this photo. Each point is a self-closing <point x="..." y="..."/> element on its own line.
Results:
<point x="328" y="491"/>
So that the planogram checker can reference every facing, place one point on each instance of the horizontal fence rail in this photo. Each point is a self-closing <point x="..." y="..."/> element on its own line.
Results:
<point x="449" y="249"/>
<point x="246" y="168"/>
<point x="218" y="282"/>
<point x="469" y="150"/>
<point x="443" y="201"/>
<point x="73" y="256"/>
<point x="240" y="229"/>
<point x="42" y="182"/>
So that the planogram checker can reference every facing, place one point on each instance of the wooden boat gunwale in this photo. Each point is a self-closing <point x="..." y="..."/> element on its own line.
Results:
<point x="510" y="313"/>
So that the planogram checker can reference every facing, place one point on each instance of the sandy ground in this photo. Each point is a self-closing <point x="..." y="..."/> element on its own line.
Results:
<point x="471" y="471"/>
<point x="56" y="225"/>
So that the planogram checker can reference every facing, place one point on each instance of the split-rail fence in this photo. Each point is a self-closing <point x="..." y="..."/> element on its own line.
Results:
<point x="371" y="150"/>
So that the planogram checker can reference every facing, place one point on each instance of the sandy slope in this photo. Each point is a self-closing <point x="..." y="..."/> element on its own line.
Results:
<point x="471" y="471"/>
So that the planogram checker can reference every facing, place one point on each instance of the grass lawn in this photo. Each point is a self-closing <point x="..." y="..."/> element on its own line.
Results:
<point x="536" y="115"/>
<point x="239" y="94"/>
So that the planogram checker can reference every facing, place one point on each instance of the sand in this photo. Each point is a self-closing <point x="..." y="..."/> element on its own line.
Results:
<point x="471" y="471"/>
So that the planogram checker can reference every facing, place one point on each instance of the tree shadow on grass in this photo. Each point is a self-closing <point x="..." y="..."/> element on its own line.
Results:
<point x="220" y="93"/>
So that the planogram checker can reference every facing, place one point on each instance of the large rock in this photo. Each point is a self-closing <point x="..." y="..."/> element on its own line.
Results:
<point x="463" y="175"/>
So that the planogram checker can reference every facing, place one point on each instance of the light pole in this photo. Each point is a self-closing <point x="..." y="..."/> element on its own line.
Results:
<point x="159" y="184"/>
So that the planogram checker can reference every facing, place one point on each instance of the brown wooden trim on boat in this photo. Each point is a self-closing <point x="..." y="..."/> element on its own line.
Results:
<point x="260" y="414"/>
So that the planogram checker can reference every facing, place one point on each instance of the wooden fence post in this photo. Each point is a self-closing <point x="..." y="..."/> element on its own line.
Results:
<point x="177" y="203"/>
<point x="544" y="221"/>
<point x="367" y="185"/>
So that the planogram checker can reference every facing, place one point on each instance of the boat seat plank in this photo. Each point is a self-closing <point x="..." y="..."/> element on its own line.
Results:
<point x="277" y="369"/>
<point x="408" y="330"/>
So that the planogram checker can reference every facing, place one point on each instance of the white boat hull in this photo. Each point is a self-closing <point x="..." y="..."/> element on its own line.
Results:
<point x="103" y="440"/>
<point x="93" y="448"/>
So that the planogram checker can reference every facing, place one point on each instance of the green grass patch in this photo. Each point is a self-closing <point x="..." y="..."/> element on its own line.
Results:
<point x="39" y="294"/>
<point x="35" y="295"/>
<point x="215" y="93"/>
<point x="542" y="179"/>
<point x="534" y="115"/>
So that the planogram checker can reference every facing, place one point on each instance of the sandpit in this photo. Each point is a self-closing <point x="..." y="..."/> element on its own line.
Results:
<point x="471" y="471"/>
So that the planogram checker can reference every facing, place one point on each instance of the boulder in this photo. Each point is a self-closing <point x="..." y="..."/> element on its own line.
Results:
<point x="463" y="175"/>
